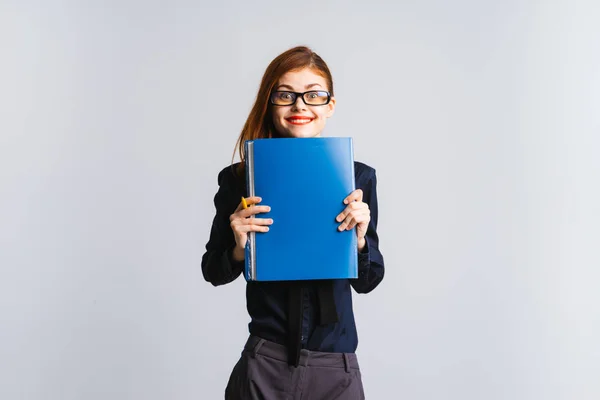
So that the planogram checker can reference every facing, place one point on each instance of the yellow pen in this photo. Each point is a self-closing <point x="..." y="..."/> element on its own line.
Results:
<point x="244" y="204"/>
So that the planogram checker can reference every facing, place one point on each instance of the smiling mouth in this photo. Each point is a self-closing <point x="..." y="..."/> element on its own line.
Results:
<point x="299" y="121"/>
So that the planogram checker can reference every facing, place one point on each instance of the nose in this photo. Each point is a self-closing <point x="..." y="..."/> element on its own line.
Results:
<point x="299" y="104"/>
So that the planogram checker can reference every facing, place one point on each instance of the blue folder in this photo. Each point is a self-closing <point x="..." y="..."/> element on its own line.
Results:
<point x="304" y="181"/>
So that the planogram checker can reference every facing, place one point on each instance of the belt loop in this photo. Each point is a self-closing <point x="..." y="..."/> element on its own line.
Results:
<point x="257" y="346"/>
<point x="346" y="363"/>
<point x="306" y="357"/>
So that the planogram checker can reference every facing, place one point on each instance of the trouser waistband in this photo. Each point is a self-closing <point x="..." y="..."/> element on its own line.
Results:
<point x="266" y="348"/>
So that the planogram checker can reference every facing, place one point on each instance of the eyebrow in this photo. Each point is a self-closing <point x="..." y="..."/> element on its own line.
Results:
<point x="291" y="88"/>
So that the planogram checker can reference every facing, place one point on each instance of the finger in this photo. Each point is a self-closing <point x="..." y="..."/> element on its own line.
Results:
<point x="349" y="208"/>
<point x="356" y="195"/>
<point x="253" y="211"/>
<point x="353" y="218"/>
<point x="346" y="222"/>
<point x="249" y="201"/>
<point x="240" y="225"/>
<point x="253" y="200"/>
<point x="359" y="219"/>
<point x="257" y="221"/>
<point x="252" y="228"/>
<point x="247" y="212"/>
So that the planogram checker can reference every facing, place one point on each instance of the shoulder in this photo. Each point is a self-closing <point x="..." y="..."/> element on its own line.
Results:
<point x="230" y="177"/>
<point x="228" y="174"/>
<point x="363" y="173"/>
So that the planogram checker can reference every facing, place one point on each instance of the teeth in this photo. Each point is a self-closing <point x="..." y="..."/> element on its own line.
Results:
<point x="299" y="121"/>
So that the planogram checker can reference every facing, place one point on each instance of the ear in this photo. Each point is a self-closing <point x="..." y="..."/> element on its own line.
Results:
<point x="331" y="107"/>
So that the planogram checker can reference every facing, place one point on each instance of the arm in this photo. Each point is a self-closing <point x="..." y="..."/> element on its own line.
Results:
<point x="370" y="260"/>
<point x="218" y="264"/>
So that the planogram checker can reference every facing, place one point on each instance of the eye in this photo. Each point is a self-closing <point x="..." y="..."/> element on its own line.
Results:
<point x="284" y="95"/>
<point x="316" y="98"/>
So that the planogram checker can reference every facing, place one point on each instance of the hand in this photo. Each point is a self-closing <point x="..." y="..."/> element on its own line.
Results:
<point x="356" y="214"/>
<point x="242" y="222"/>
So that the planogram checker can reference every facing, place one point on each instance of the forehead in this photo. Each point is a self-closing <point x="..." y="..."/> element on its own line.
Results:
<point x="299" y="79"/>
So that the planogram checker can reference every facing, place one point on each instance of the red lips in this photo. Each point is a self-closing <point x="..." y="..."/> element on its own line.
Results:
<point x="299" y="120"/>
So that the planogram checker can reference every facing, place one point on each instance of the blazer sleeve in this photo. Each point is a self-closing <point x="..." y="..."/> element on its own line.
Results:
<point x="218" y="266"/>
<point x="370" y="260"/>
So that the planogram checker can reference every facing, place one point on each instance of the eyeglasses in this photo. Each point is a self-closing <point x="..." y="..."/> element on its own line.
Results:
<point x="310" y="98"/>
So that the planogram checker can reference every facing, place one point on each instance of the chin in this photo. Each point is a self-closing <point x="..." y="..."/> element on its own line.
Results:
<point x="302" y="133"/>
<point x="293" y="131"/>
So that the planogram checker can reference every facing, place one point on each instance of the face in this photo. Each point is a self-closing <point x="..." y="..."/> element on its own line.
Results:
<point x="300" y="120"/>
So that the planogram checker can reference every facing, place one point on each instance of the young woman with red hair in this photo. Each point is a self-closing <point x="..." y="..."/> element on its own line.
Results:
<point x="302" y="335"/>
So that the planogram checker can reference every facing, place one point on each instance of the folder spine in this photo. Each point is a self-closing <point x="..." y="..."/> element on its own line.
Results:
<point x="354" y="238"/>
<point x="250" y="250"/>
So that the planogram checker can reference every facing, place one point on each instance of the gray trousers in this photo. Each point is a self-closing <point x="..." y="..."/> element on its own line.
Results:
<point x="262" y="372"/>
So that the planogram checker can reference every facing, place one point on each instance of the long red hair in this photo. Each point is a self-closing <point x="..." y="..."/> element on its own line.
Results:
<point x="259" y="124"/>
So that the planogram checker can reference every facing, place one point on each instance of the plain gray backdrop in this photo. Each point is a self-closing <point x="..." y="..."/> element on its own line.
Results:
<point x="480" y="117"/>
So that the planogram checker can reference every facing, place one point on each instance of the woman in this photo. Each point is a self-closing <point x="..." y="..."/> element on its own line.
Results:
<point x="302" y="334"/>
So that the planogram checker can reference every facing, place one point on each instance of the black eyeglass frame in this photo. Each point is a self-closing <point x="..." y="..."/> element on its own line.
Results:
<point x="296" y="94"/>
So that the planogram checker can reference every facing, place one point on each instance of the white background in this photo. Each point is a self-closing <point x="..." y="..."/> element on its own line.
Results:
<point x="480" y="117"/>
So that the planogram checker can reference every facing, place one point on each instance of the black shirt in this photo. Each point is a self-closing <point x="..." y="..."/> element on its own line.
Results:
<point x="267" y="302"/>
